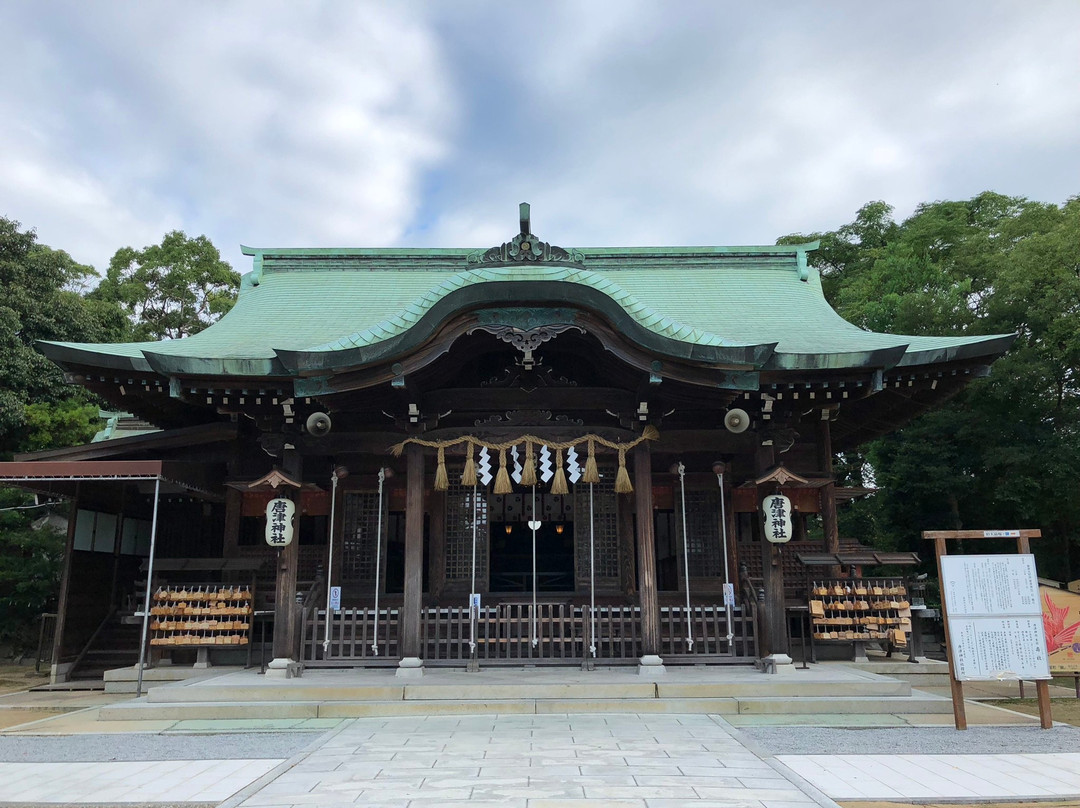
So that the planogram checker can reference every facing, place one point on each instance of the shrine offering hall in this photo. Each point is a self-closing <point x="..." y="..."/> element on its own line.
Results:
<point x="472" y="457"/>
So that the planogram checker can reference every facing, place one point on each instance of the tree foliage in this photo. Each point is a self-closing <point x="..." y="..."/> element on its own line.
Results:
<point x="1001" y="454"/>
<point x="30" y="566"/>
<point x="39" y="301"/>
<point x="170" y="290"/>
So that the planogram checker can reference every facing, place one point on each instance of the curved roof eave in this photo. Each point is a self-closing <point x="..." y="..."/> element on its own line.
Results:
<point x="518" y="294"/>
<point x="92" y="355"/>
<point x="991" y="347"/>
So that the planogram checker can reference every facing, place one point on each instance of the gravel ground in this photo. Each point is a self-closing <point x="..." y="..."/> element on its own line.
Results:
<point x="142" y="746"/>
<point x="912" y="740"/>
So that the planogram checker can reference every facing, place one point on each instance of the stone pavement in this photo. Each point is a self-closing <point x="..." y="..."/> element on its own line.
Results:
<point x="528" y="761"/>
<point x="534" y="761"/>
<point x="941" y="777"/>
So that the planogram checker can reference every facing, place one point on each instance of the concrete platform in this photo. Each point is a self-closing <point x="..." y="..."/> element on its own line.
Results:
<point x="723" y="690"/>
<point x="125" y="680"/>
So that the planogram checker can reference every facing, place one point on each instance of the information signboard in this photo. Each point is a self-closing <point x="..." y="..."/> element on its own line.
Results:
<point x="1061" y="621"/>
<point x="995" y="618"/>
<point x="990" y="585"/>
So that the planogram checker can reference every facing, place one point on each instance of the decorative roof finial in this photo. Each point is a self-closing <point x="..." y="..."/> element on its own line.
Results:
<point x="524" y="247"/>
<point x="523" y="214"/>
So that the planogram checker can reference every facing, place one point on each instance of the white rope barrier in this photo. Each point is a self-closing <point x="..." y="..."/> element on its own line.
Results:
<point x="533" y="525"/>
<point x="686" y="556"/>
<point x="728" y="595"/>
<point x="592" y="574"/>
<point x="472" y="587"/>
<point x="330" y="562"/>
<point x="378" y="564"/>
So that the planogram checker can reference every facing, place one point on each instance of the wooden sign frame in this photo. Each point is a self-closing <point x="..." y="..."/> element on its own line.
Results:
<point x="1023" y="546"/>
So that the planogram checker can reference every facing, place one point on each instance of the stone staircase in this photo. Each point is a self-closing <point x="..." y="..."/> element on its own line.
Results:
<point x="347" y="694"/>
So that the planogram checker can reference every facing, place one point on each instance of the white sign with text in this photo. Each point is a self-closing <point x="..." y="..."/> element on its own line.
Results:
<point x="995" y="617"/>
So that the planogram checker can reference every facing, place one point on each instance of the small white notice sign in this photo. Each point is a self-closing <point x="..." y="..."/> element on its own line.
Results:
<point x="998" y="648"/>
<point x="995" y="617"/>
<point x="335" y="598"/>
<point x="729" y="594"/>
<point x="990" y="585"/>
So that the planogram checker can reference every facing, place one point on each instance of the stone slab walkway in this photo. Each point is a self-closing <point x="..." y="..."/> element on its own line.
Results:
<point x="137" y="782"/>
<point x="538" y="761"/>
<point x="941" y="777"/>
<point x="534" y="761"/>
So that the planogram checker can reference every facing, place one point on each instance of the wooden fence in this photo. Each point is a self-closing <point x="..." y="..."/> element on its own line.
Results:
<point x="562" y="633"/>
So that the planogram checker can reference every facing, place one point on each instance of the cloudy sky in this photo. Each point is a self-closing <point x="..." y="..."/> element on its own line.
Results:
<point x="628" y="122"/>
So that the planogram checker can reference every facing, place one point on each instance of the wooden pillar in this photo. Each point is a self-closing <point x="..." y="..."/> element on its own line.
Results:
<point x="827" y="492"/>
<point x="59" y="672"/>
<point x="627" y="584"/>
<point x="114" y="601"/>
<point x="437" y="548"/>
<point x="288" y="560"/>
<point x="231" y="540"/>
<point x="772" y="568"/>
<point x="414" y="551"/>
<point x="646" y="551"/>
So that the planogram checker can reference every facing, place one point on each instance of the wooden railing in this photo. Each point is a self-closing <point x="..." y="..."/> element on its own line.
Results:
<point x="505" y="632"/>
<point x="352" y="635"/>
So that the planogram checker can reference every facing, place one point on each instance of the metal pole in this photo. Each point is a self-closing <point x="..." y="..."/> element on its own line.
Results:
<point x="378" y="565"/>
<point x="685" y="556"/>
<point x="472" y="586"/>
<point x="727" y="574"/>
<point x="330" y="561"/>
<point x="533" y="524"/>
<point x="149" y="580"/>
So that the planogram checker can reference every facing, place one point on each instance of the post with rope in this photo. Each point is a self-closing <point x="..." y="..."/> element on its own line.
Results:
<point x="337" y="474"/>
<point x="729" y="587"/>
<point x="378" y="562"/>
<point x="473" y="664"/>
<point x="680" y="469"/>
<point x="590" y="660"/>
<point x="411" y="664"/>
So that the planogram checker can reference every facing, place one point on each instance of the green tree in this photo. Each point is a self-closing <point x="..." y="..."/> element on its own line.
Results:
<point x="1002" y="453"/>
<point x="30" y="565"/>
<point x="39" y="301"/>
<point x="170" y="290"/>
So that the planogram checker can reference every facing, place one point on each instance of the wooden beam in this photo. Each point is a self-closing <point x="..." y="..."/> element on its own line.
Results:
<point x="492" y="399"/>
<point x="288" y="562"/>
<point x="437" y="545"/>
<point x="646" y="551"/>
<point x="414" y="551"/>
<point x="955" y="685"/>
<point x="772" y="566"/>
<point x="983" y="534"/>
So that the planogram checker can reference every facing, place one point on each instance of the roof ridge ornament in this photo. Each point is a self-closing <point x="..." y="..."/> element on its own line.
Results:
<point x="524" y="247"/>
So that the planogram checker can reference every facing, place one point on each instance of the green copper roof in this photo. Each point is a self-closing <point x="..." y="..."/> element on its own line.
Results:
<point x="305" y="310"/>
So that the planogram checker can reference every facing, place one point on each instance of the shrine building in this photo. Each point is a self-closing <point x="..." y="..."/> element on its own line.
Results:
<point x="522" y="453"/>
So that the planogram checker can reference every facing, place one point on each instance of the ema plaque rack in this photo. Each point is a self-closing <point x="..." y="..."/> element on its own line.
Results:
<point x="860" y="610"/>
<point x="201" y="616"/>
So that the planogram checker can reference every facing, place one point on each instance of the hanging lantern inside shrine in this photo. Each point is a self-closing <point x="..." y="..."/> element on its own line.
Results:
<point x="776" y="513"/>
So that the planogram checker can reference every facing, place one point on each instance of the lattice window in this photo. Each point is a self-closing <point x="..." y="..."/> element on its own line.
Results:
<point x="459" y="530"/>
<point x="704" y="548"/>
<point x="606" y="515"/>
<point x="359" y="536"/>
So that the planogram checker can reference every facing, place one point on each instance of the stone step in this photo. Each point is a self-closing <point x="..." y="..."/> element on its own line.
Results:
<point x="145" y="710"/>
<point x="919" y="704"/>
<point x="880" y="688"/>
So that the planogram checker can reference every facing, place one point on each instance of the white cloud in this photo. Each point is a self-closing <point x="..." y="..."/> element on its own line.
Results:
<point x="372" y="124"/>
<point x="254" y="122"/>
